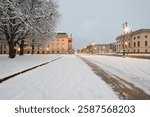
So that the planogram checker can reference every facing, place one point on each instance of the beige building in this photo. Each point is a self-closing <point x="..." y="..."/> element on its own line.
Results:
<point x="134" y="42"/>
<point x="100" y="48"/>
<point x="3" y="47"/>
<point x="61" y="44"/>
<point x="105" y="48"/>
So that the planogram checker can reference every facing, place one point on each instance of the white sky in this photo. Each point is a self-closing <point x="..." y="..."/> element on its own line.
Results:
<point x="101" y="20"/>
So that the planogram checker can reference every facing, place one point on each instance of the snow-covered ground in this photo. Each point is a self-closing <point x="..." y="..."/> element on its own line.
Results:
<point x="20" y="63"/>
<point x="136" y="71"/>
<point x="65" y="78"/>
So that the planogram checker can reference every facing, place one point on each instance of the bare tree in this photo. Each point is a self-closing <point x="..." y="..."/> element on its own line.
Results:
<point x="22" y="18"/>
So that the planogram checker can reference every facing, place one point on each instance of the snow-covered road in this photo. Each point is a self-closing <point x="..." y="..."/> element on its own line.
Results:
<point x="66" y="78"/>
<point x="73" y="78"/>
<point x="136" y="71"/>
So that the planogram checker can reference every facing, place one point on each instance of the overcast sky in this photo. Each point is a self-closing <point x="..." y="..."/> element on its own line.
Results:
<point x="101" y="20"/>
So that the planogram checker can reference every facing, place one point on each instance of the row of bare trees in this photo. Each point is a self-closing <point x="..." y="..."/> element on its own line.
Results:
<point x="23" y="20"/>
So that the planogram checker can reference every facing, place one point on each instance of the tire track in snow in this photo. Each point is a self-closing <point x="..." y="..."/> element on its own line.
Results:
<point x="124" y="89"/>
<point x="24" y="71"/>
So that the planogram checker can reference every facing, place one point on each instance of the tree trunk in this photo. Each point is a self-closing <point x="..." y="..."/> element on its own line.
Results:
<point x="21" y="48"/>
<point x="12" y="50"/>
<point x="1" y="48"/>
<point x="32" y="47"/>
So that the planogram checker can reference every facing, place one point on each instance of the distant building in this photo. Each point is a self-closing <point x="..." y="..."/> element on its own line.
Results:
<point x="61" y="44"/>
<point x="99" y="48"/>
<point x="102" y="48"/>
<point x="135" y="42"/>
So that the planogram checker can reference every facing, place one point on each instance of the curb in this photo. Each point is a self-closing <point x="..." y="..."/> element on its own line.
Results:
<point x="29" y="69"/>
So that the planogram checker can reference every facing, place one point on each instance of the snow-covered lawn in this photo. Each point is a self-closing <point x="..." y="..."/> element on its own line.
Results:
<point x="66" y="78"/>
<point x="136" y="71"/>
<point x="20" y="63"/>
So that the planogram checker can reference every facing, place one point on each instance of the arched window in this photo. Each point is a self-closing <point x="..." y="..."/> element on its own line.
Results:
<point x="146" y="44"/>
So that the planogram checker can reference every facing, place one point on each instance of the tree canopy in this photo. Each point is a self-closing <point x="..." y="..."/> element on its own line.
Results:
<point x="21" y="18"/>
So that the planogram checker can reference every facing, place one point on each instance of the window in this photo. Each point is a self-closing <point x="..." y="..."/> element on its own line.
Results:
<point x="43" y="52"/>
<point x="38" y="52"/>
<point x="146" y="50"/>
<point x="134" y="38"/>
<point x="146" y="36"/>
<point x="134" y="44"/>
<point x="146" y="43"/>
<point x="129" y="45"/>
<point x="138" y="44"/>
<point x="138" y="37"/>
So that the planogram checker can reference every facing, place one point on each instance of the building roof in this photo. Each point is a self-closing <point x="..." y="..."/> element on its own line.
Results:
<point x="61" y="35"/>
<point x="135" y="32"/>
<point x="102" y="44"/>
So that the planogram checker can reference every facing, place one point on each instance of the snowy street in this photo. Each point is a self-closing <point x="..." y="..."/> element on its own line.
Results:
<point x="136" y="71"/>
<point x="75" y="77"/>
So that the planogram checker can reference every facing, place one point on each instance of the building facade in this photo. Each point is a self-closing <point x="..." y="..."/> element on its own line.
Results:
<point x="134" y="42"/>
<point x="61" y="44"/>
<point x="3" y="47"/>
<point x="100" y="48"/>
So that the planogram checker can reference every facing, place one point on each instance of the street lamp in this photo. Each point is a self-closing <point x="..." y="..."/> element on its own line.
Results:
<point x="103" y="49"/>
<point x="47" y="49"/>
<point x="125" y="31"/>
<point x="92" y="47"/>
<point x="18" y="49"/>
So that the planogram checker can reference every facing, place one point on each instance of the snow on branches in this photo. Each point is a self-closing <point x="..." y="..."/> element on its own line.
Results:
<point x="22" y="18"/>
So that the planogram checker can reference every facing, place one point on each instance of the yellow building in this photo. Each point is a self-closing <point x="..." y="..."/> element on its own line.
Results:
<point x="61" y="44"/>
<point x="3" y="47"/>
<point x="134" y="42"/>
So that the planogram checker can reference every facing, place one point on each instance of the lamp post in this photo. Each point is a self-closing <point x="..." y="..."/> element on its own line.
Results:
<point x="47" y="50"/>
<point x="103" y="49"/>
<point x="125" y="31"/>
<point x="93" y="47"/>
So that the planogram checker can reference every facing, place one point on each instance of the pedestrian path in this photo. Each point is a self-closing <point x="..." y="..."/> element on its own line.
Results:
<point x="66" y="78"/>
